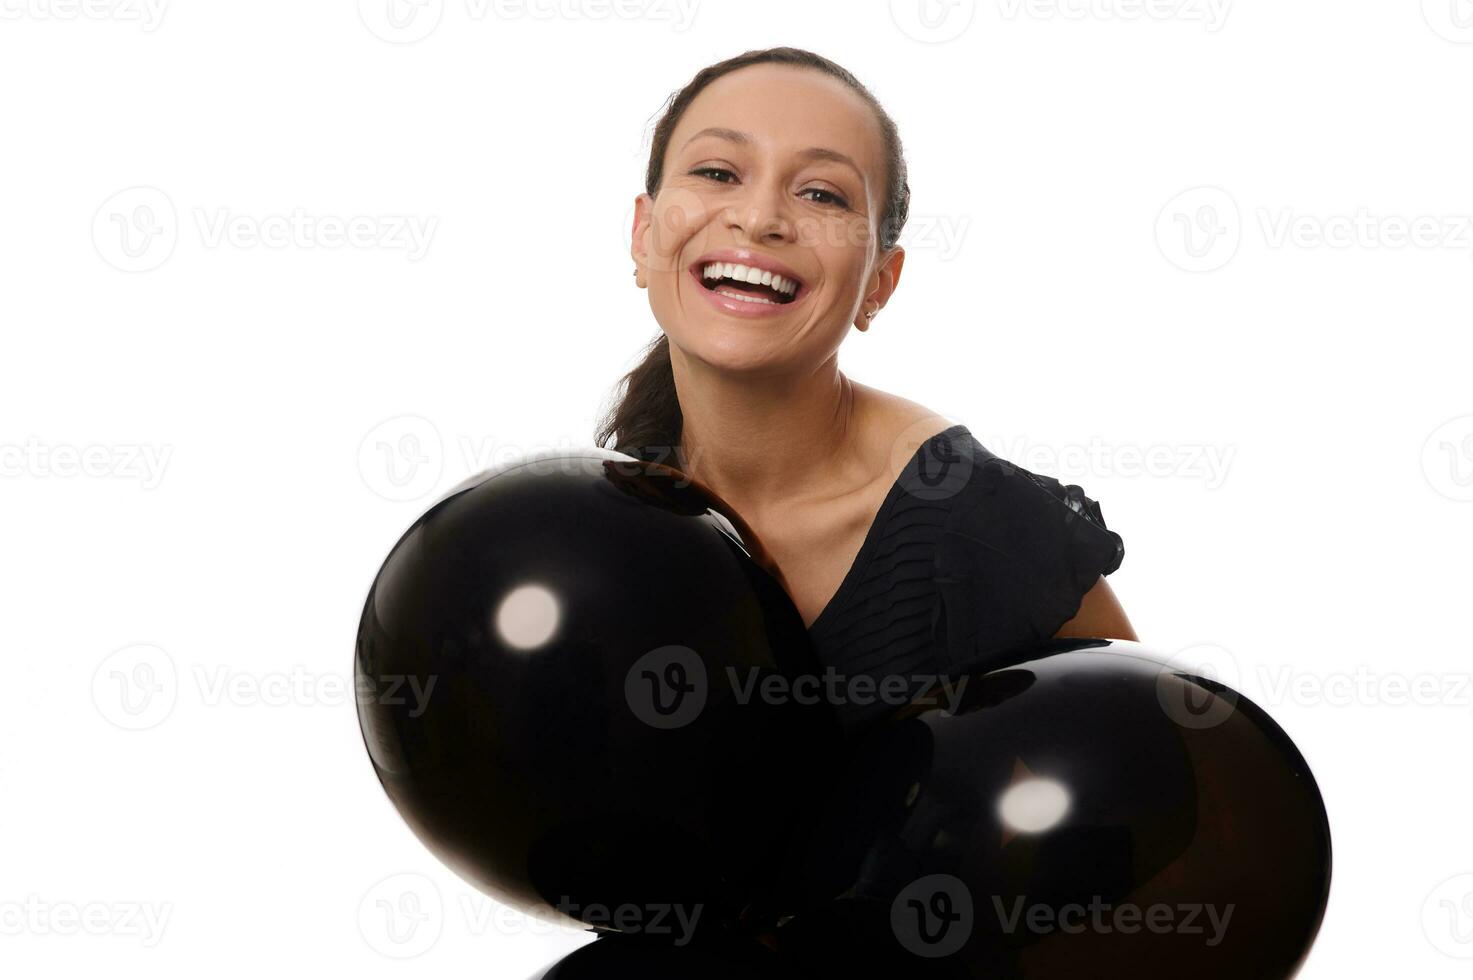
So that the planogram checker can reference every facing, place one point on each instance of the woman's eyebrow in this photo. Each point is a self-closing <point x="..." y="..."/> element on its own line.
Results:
<point x="812" y="153"/>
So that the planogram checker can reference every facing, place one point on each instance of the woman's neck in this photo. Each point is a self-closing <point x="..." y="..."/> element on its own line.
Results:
<point x="758" y="440"/>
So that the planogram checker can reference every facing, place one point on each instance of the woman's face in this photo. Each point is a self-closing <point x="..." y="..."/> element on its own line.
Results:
<point x="780" y="169"/>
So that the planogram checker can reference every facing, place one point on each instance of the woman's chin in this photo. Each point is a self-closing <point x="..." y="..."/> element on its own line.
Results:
<point x="735" y="347"/>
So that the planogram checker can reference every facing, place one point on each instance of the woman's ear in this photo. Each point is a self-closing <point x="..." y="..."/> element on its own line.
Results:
<point x="643" y="207"/>
<point x="881" y="285"/>
<point x="887" y="273"/>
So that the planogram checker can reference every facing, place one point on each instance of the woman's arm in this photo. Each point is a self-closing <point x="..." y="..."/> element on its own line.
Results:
<point x="1099" y="616"/>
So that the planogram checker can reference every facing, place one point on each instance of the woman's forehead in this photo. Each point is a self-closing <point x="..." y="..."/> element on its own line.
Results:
<point x="780" y="107"/>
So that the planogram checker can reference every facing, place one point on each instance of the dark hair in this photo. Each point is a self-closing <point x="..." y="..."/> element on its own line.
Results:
<point x="646" y="421"/>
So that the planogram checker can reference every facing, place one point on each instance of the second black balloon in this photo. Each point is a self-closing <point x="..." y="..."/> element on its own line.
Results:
<point x="1086" y="812"/>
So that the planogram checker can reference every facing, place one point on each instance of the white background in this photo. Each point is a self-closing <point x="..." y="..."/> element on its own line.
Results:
<point x="1211" y="261"/>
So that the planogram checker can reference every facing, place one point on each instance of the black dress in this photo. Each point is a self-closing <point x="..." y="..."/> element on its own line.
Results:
<point x="970" y="559"/>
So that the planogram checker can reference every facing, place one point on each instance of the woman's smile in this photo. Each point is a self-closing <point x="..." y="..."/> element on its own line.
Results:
<point x="742" y="282"/>
<point x="744" y="300"/>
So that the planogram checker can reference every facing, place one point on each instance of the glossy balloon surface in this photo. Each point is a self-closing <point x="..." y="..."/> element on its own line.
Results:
<point x="1088" y="812"/>
<point x="552" y="668"/>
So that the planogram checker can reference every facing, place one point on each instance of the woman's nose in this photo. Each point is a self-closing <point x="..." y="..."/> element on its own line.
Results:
<point x="762" y="214"/>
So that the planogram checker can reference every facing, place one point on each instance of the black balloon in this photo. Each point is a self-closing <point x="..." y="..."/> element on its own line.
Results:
<point x="617" y="957"/>
<point x="552" y="667"/>
<point x="1089" y="812"/>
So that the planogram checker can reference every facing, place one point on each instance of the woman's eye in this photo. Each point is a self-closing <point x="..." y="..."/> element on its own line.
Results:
<point x="720" y="175"/>
<point x="832" y="197"/>
<point x="700" y="171"/>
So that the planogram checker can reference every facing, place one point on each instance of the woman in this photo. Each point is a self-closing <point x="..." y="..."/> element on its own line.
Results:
<point x="775" y="193"/>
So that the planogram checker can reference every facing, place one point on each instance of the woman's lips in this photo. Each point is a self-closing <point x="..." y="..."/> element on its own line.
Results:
<point x="733" y="304"/>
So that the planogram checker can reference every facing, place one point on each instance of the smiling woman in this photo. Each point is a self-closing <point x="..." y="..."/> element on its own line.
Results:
<point x="768" y="228"/>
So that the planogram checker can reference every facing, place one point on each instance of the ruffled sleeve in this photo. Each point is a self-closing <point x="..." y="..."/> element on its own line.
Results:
<point x="1015" y="557"/>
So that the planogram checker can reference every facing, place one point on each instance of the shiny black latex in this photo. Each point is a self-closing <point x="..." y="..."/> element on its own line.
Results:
<point x="558" y="667"/>
<point x="1088" y="812"/>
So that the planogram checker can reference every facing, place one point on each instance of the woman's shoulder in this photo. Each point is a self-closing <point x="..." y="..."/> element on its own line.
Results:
<point x="1010" y="485"/>
<point x="898" y="431"/>
<point x="895" y="425"/>
<point x="1018" y="516"/>
<point x="1018" y="483"/>
<point x="928" y="451"/>
<point x="1030" y="543"/>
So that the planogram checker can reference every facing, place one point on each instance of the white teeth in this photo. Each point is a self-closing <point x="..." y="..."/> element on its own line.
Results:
<point x="752" y="274"/>
<point x="733" y="294"/>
